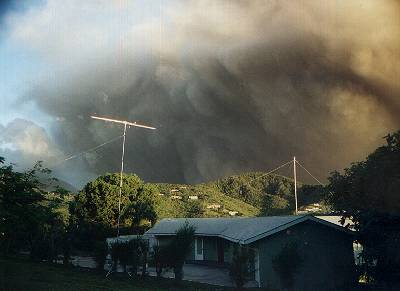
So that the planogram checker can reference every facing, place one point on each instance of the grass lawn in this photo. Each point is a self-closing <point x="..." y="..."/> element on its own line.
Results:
<point x="20" y="274"/>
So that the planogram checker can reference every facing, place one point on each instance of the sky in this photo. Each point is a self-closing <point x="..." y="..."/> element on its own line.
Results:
<point x="231" y="86"/>
<point x="24" y="65"/>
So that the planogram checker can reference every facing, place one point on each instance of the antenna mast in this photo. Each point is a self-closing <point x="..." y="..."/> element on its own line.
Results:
<point x="125" y="123"/>
<point x="120" y="179"/>
<point x="295" y="183"/>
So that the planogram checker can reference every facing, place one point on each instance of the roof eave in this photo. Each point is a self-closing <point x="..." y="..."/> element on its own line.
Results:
<point x="297" y="221"/>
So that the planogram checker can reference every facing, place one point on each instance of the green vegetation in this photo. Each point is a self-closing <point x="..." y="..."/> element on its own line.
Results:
<point x="94" y="210"/>
<point x="271" y="194"/>
<point x="24" y="275"/>
<point x="250" y="187"/>
<point x="179" y="200"/>
<point x="250" y="194"/>
<point x="286" y="264"/>
<point x="100" y="254"/>
<point x="49" y="224"/>
<point x="32" y="219"/>
<point x="368" y="193"/>
<point x="99" y="199"/>
<point x="240" y="269"/>
<point x="174" y="253"/>
<point x="130" y="253"/>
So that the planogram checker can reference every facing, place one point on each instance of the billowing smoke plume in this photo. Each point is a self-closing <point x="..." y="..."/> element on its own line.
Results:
<point x="231" y="85"/>
<point x="23" y="141"/>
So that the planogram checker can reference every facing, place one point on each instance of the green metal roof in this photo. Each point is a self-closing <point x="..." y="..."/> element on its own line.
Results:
<point x="243" y="230"/>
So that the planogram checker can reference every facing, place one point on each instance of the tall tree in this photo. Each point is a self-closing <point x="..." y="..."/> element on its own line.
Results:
<point x="28" y="216"/>
<point x="19" y="209"/>
<point x="95" y="210"/>
<point x="174" y="254"/>
<point x="241" y="265"/>
<point x="286" y="264"/>
<point x="368" y="194"/>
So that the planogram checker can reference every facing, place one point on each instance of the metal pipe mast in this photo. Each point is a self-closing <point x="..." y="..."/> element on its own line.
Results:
<point x="125" y="123"/>
<point x="295" y="183"/>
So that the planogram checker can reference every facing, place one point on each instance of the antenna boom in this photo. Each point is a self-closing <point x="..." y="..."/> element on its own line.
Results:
<point x="123" y="122"/>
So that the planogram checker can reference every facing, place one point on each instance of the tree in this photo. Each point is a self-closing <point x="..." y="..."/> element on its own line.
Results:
<point x="95" y="210"/>
<point x="60" y="231"/>
<point x="134" y="254"/>
<point x="240" y="267"/>
<point x="19" y="206"/>
<point x="157" y="256"/>
<point x="130" y="253"/>
<point x="142" y="207"/>
<point x="195" y="208"/>
<point x="174" y="254"/>
<point x="144" y="252"/>
<point x="100" y="254"/>
<point x="368" y="194"/>
<point x="272" y="186"/>
<point x="286" y="264"/>
<point x="31" y="218"/>
<point x="274" y="205"/>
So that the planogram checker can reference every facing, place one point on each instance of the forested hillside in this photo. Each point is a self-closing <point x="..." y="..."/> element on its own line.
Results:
<point x="248" y="194"/>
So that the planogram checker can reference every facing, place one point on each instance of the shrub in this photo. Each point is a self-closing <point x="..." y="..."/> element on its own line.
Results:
<point x="180" y="248"/>
<point x="130" y="253"/>
<point x="115" y="255"/>
<point x="240" y="267"/>
<point x="100" y="254"/>
<point x="143" y="250"/>
<point x="195" y="209"/>
<point x="134" y="254"/>
<point x="287" y="263"/>
<point x="157" y="257"/>
<point x="174" y="254"/>
<point x="40" y="250"/>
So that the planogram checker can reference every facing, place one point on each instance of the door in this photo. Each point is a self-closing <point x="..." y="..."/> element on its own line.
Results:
<point x="198" y="249"/>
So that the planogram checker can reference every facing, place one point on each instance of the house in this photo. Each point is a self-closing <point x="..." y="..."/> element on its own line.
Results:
<point x="176" y="197"/>
<point x="214" y="206"/>
<point x="325" y="248"/>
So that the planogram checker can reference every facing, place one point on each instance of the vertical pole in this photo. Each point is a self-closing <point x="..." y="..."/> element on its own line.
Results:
<point x="120" y="179"/>
<point x="295" y="182"/>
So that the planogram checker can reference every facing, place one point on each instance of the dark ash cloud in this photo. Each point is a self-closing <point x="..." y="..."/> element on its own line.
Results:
<point x="243" y="86"/>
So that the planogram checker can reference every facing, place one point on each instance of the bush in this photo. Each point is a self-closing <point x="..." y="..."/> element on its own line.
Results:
<point x="130" y="253"/>
<point x="115" y="255"/>
<point x="180" y="248"/>
<point x="157" y="258"/>
<point x="121" y="253"/>
<point x="40" y="250"/>
<point x="195" y="209"/>
<point x="100" y="254"/>
<point x="274" y="205"/>
<point x="143" y="251"/>
<point x="134" y="254"/>
<point x="287" y="263"/>
<point x="174" y="254"/>
<point x="240" y="267"/>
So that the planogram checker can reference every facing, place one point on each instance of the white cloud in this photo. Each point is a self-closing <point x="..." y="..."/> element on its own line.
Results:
<point x="25" y="142"/>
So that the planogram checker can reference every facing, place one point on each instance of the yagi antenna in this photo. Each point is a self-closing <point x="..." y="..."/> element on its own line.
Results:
<point x="122" y="122"/>
<point x="125" y="123"/>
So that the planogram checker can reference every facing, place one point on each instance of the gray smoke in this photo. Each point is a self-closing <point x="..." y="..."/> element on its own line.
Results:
<point x="231" y="86"/>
